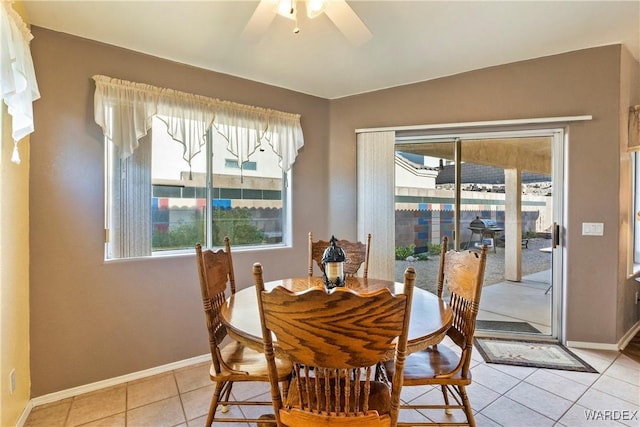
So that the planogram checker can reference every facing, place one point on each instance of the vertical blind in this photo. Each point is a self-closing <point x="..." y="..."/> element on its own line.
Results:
<point x="376" y="199"/>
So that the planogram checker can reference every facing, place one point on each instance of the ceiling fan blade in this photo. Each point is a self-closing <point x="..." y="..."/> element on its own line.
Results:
<point x="348" y="22"/>
<point x="260" y="21"/>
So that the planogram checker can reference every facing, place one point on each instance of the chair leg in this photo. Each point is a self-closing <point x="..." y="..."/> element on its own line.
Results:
<point x="214" y="402"/>
<point x="467" y="406"/>
<point x="227" y="393"/>
<point x="447" y="411"/>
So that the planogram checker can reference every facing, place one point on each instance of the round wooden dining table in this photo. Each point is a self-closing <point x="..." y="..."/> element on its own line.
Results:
<point x="430" y="316"/>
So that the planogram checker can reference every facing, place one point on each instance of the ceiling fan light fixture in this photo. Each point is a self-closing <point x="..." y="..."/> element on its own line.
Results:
<point x="315" y="7"/>
<point x="337" y="11"/>
<point x="287" y="8"/>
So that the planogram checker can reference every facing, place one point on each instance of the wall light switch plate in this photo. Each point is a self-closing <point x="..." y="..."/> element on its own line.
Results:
<point x="592" y="229"/>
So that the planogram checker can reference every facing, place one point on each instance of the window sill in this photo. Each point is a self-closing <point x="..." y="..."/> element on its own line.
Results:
<point x="190" y="252"/>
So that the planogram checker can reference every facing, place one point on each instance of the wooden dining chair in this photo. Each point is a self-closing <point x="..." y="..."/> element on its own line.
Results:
<point x="443" y="255"/>
<point x="440" y="365"/>
<point x="232" y="362"/>
<point x="356" y="254"/>
<point x="334" y="340"/>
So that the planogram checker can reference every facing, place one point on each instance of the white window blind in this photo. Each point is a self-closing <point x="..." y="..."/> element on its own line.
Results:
<point x="376" y="199"/>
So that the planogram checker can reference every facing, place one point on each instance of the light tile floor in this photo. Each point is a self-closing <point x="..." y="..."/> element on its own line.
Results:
<point x="501" y="395"/>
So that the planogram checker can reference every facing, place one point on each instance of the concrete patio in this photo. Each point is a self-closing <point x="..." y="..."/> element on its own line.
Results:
<point x="504" y="301"/>
<point x="524" y="301"/>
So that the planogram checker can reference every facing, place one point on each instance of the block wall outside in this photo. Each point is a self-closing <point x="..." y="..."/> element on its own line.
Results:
<point x="423" y="227"/>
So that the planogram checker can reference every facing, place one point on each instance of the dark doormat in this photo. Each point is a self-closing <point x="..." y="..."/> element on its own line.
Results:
<point x="535" y="354"/>
<point x="497" y="325"/>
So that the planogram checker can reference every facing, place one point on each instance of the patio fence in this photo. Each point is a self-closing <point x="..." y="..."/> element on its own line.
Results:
<point x="423" y="227"/>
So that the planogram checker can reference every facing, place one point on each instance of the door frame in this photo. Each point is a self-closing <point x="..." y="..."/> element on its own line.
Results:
<point x="441" y="130"/>
<point x="558" y="143"/>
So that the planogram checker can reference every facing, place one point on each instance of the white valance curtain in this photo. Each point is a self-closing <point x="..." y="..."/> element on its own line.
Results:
<point x="18" y="85"/>
<point x="125" y="109"/>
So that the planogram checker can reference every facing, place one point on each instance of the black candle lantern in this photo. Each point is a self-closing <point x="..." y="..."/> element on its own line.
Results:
<point x="333" y="262"/>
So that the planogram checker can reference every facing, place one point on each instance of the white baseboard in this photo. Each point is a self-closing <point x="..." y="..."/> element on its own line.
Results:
<point x="629" y="336"/>
<point x="622" y="343"/>
<point x="25" y="414"/>
<point x="64" y="394"/>
<point x="592" y="345"/>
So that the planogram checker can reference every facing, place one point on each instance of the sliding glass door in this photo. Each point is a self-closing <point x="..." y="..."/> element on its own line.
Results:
<point x="501" y="189"/>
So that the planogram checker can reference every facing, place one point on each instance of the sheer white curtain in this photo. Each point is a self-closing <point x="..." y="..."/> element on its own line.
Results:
<point x="243" y="128"/>
<point x="285" y="140"/>
<point x="18" y="85"/>
<point x="188" y="119"/>
<point x="124" y="110"/>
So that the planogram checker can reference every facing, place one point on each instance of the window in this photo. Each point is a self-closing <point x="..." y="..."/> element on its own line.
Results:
<point x="168" y="196"/>
<point x="167" y="184"/>
<point x="233" y="164"/>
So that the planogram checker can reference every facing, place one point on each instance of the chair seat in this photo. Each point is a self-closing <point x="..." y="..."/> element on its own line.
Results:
<point x="246" y="364"/>
<point x="379" y="397"/>
<point x="427" y="367"/>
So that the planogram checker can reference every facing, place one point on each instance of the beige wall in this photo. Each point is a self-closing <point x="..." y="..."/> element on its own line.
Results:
<point x="14" y="274"/>
<point x="92" y="320"/>
<point x="577" y="83"/>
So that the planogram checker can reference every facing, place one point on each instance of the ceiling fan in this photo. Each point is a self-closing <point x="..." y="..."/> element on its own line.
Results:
<point x="338" y="11"/>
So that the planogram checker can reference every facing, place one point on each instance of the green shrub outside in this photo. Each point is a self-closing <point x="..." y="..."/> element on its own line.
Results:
<point x="402" y="252"/>
<point x="434" y="248"/>
<point x="235" y="223"/>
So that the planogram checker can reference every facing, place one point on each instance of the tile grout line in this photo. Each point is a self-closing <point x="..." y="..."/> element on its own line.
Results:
<point x="614" y="378"/>
<point x="184" y="412"/>
<point x="504" y="395"/>
<point x="573" y="402"/>
<point x="66" y="418"/>
<point x="588" y="388"/>
<point x="126" y="403"/>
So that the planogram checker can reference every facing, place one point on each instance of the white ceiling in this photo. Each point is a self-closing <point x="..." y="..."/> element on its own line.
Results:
<point x="412" y="41"/>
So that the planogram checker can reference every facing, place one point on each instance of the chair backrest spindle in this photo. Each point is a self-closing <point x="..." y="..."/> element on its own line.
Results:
<point x="443" y="255"/>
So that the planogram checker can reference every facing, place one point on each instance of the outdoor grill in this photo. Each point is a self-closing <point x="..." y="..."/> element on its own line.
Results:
<point x="484" y="229"/>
